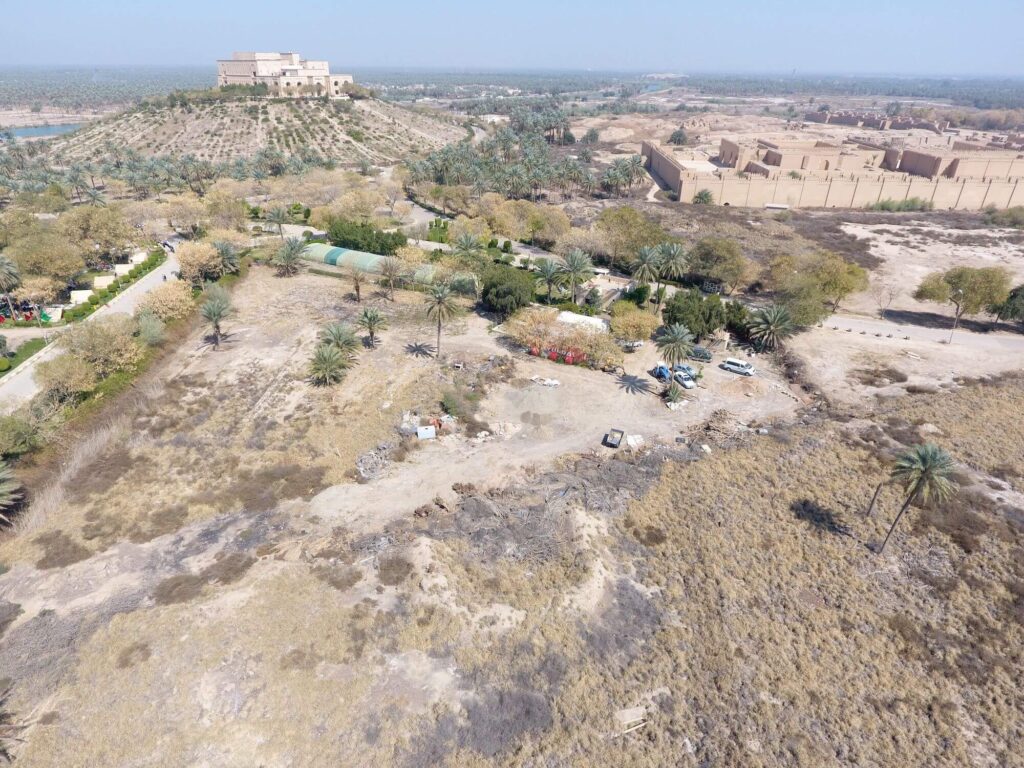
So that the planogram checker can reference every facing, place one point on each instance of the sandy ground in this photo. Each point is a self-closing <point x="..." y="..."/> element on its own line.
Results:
<point x="909" y="252"/>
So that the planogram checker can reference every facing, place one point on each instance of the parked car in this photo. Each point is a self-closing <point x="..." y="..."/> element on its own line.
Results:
<point x="701" y="354"/>
<point x="684" y="380"/>
<point x="737" y="366"/>
<point x="632" y="346"/>
<point x="689" y="370"/>
<point x="661" y="372"/>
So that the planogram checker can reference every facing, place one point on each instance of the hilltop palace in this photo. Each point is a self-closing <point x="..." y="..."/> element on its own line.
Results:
<point x="284" y="74"/>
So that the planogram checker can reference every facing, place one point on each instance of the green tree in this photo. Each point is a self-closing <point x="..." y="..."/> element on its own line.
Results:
<point x="278" y="216"/>
<point x="968" y="289"/>
<point x="675" y="343"/>
<point x="720" y="259"/>
<point x="703" y="197"/>
<point x="441" y="308"/>
<point x="507" y="289"/>
<point x="10" y="492"/>
<point x="674" y="261"/>
<point x="924" y="471"/>
<point x="838" y="278"/>
<point x="703" y="315"/>
<point x="341" y="337"/>
<point x="372" y="320"/>
<point x="627" y="230"/>
<point x="770" y="326"/>
<point x="1010" y="309"/>
<point x="647" y="266"/>
<point x="577" y="268"/>
<point x="288" y="257"/>
<point x="328" y="366"/>
<point x="678" y="137"/>
<point x="10" y="278"/>
<point x="549" y="273"/>
<point x="215" y="310"/>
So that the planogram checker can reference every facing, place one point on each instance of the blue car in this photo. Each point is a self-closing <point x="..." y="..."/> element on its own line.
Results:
<point x="661" y="372"/>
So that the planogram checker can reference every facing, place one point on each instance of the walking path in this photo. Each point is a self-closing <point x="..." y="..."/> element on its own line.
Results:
<point x="19" y="386"/>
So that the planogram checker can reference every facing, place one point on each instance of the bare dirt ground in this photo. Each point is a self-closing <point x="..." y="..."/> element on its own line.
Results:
<point x="234" y="529"/>
<point x="908" y="251"/>
<point x="22" y="118"/>
<point x="345" y="131"/>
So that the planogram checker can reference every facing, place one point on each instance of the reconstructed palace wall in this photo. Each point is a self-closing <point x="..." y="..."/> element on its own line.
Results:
<point x="833" y="192"/>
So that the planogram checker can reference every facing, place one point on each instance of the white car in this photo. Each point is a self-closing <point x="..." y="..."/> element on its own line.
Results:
<point x="737" y="366"/>
<point x="684" y="379"/>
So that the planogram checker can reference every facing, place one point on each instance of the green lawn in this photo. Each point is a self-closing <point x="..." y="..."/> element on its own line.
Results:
<point x="24" y="352"/>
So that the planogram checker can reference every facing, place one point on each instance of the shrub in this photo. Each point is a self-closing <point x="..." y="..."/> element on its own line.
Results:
<point x="199" y="262"/>
<point x="18" y="435"/>
<point x="704" y="197"/>
<point x="621" y="307"/>
<point x="151" y="329"/>
<point x="910" y="204"/>
<point x="703" y="315"/>
<point x="3" y="344"/>
<point x="639" y="296"/>
<point x="506" y="247"/>
<point x="636" y="325"/>
<point x="5" y="364"/>
<point x="362" y="236"/>
<point x="506" y="289"/>
<point x="109" y="344"/>
<point x="170" y="301"/>
<point x="94" y="299"/>
<point x="572" y="306"/>
<point x="66" y="377"/>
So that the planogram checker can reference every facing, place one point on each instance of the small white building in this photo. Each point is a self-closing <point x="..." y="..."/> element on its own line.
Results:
<point x="596" y="324"/>
<point x="284" y="74"/>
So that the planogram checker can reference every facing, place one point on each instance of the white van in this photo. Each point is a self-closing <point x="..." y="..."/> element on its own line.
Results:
<point x="737" y="366"/>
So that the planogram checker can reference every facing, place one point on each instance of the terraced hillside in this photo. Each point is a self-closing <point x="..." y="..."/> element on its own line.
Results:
<point x="346" y="131"/>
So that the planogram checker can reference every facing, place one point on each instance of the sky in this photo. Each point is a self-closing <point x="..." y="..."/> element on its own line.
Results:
<point x="912" y="37"/>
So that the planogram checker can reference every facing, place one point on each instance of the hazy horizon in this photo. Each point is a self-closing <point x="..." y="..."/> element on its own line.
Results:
<point x="828" y="38"/>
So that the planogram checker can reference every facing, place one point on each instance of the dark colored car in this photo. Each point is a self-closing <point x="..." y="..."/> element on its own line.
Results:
<point x="703" y="354"/>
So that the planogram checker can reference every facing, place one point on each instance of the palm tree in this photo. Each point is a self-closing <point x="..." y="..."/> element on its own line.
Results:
<point x="287" y="258"/>
<point x="675" y="343"/>
<point x="391" y="274"/>
<point x="328" y="366"/>
<point x="10" y="278"/>
<point x="576" y="269"/>
<point x="215" y="310"/>
<point x="341" y="337"/>
<point x="358" y="273"/>
<point x="371" y="320"/>
<point x="673" y="260"/>
<point x="924" y="471"/>
<point x="549" y="273"/>
<point x="10" y="491"/>
<point x="703" y="197"/>
<point x="647" y="269"/>
<point x="467" y="248"/>
<point x="278" y="216"/>
<point x="441" y="308"/>
<point x="770" y="326"/>
<point x="228" y="257"/>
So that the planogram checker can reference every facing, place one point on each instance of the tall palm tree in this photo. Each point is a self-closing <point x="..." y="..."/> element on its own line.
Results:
<point x="647" y="269"/>
<point x="549" y="273"/>
<point x="287" y="258"/>
<point x="372" y="321"/>
<point x="441" y="308"/>
<point x="328" y="366"/>
<point x="340" y="336"/>
<point x="675" y="343"/>
<point x="925" y="472"/>
<point x="576" y="269"/>
<point x="10" y="491"/>
<point x="673" y="260"/>
<point x="279" y="217"/>
<point x="467" y="248"/>
<point x="215" y="310"/>
<point x="770" y="326"/>
<point x="10" y="278"/>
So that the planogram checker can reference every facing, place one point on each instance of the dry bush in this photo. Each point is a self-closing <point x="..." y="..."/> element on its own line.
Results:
<point x="108" y="344"/>
<point x="170" y="301"/>
<point x="198" y="262"/>
<point x="634" y="326"/>
<point x="66" y="376"/>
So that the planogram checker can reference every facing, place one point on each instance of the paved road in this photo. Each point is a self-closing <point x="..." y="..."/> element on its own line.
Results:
<point x="19" y="386"/>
